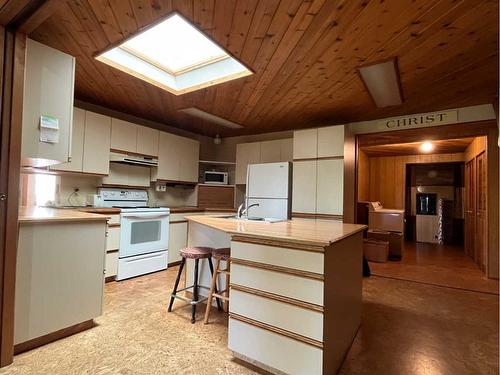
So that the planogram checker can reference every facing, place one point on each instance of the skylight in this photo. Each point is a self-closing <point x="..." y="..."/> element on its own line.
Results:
<point x="175" y="56"/>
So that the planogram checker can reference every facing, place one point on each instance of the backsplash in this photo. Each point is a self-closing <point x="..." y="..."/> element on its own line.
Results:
<point x="173" y="197"/>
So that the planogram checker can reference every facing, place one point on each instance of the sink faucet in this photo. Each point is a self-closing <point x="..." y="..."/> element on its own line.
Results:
<point x="240" y="210"/>
<point x="245" y="211"/>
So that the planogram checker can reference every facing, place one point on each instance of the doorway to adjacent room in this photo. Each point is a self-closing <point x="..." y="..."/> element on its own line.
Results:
<point x="426" y="196"/>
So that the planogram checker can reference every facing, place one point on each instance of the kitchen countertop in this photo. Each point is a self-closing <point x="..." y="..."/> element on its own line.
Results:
<point x="178" y="210"/>
<point x="101" y="210"/>
<point x="34" y="214"/>
<point x="303" y="231"/>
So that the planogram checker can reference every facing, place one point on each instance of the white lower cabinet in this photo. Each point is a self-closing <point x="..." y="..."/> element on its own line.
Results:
<point x="113" y="240"/>
<point x="304" y="186"/>
<point x="330" y="187"/>
<point x="177" y="239"/>
<point x="274" y="350"/>
<point x="111" y="267"/>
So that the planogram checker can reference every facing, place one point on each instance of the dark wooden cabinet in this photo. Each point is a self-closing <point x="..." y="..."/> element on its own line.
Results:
<point x="215" y="196"/>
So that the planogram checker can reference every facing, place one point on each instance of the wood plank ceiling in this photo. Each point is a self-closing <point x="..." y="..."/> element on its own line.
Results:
<point x="304" y="54"/>
<point x="446" y="146"/>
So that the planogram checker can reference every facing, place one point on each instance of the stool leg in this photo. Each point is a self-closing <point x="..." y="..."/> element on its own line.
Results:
<point x="195" y="291"/>
<point x="212" y="289"/>
<point x="183" y="260"/>
<point x="212" y="272"/>
<point x="228" y="269"/>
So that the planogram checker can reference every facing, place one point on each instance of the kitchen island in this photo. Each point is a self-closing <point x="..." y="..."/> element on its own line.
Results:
<point x="295" y="300"/>
<point x="59" y="274"/>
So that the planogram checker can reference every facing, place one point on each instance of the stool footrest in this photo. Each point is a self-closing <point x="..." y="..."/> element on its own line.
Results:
<point x="221" y="297"/>
<point x="188" y="300"/>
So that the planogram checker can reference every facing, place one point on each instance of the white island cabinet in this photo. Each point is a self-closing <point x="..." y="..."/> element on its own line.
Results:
<point x="295" y="289"/>
<point x="59" y="274"/>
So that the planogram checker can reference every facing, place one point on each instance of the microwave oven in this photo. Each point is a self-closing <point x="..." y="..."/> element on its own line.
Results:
<point x="216" y="178"/>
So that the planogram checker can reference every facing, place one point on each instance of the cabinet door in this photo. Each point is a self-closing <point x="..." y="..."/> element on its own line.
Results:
<point x="147" y="141"/>
<point x="330" y="187"/>
<point x="77" y="134"/>
<point x="123" y="135"/>
<point x="331" y="141"/>
<point x="286" y="149"/>
<point x="270" y="151"/>
<point x="96" y="143"/>
<point x="189" y="167"/>
<point x="168" y="157"/>
<point x="305" y="144"/>
<point x="304" y="186"/>
<point x="241" y="163"/>
<point x="177" y="239"/>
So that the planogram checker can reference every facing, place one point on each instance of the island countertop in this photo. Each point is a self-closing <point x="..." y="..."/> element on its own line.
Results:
<point x="33" y="214"/>
<point x="303" y="231"/>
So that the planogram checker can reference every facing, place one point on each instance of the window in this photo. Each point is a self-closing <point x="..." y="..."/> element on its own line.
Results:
<point x="45" y="189"/>
<point x="175" y="56"/>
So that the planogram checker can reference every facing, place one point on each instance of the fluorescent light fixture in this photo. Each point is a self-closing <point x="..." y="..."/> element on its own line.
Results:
<point x="175" y="56"/>
<point x="193" y="111"/>
<point x="427" y="147"/>
<point x="382" y="82"/>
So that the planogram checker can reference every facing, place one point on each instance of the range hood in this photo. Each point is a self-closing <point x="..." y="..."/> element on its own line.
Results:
<point x="115" y="157"/>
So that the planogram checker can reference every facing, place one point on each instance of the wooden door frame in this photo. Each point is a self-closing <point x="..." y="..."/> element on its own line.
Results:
<point x="17" y="19"/>
<point x="487" y="128"/>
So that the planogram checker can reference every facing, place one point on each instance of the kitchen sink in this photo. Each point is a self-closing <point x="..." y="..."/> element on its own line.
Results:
<point x="253" y="218"/>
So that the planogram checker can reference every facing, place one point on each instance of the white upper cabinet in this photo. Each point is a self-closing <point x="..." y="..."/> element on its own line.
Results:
<point x="304" y="186"/>
<point x="127" y="175"/>
<point x="78" y="132"/>
<point x="270" y="151"/>
<point x="189" y="159"/>
<point x="177" y="158"/>
<point x="96" y="143"/>
<point x="331" y="141"/>
<point x="246" y="153"/>
<point x="123" y="136"/>
<point x="286" y="149"/>
<point x="147" y="141"/>
<point x="305" y="144"/>
<point x="48" y="90"/>
<point x="330" y="187"/>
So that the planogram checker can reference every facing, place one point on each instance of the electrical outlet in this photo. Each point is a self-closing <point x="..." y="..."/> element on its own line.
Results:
<point x="161" y="187"/>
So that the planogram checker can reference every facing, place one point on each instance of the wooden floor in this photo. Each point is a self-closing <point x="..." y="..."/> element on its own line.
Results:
<point x="439" y="265"/>
<point x="407" y="328"/>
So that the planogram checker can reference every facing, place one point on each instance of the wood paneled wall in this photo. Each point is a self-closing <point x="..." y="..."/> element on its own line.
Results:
<point x="363" y="176"/>
<point x="386" y="177"/>
<point x="477" y="146"/>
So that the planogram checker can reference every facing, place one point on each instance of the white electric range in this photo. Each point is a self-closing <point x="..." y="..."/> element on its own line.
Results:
<point x="143" y="232"/>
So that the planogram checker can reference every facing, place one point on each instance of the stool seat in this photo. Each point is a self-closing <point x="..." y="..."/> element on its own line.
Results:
<point x="196" y="252"/>
<point x="223" y="253"/>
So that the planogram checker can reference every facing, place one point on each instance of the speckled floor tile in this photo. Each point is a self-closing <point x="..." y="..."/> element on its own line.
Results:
<point x="407" y="328"/>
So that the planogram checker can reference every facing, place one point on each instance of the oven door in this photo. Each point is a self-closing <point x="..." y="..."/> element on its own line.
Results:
<point x="143" y="232"/>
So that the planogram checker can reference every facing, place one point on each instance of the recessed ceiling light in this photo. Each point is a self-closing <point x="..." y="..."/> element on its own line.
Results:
<point x="176" y="56"/>
<point x="196" y="112"/>
<point x="427" y="147"/>
<point x="383" y="83"/>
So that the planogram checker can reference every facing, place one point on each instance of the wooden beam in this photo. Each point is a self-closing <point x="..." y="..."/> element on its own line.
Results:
<point x="41" y="13"/>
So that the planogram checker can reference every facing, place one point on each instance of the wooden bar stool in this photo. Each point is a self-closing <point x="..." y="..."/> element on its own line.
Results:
<point x="195" y="253"/>
<point x="223" y="254"/>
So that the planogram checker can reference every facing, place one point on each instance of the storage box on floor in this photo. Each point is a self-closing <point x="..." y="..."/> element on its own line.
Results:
<point x="376" y="250"/>
<point x="394" y="239"/>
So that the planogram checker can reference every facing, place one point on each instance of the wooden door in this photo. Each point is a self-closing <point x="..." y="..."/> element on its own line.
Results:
<point x="123" y="135"/>
<point x="481" y="211"/>
<point x="304" y="186"/>
<point x="470" y="208"/>
<point x="330" y="187"/>
<point x="77" y="135"/>
<point x="169" y="152"/>
<point x="189" y="160"/>
<point x="147" y="141"/>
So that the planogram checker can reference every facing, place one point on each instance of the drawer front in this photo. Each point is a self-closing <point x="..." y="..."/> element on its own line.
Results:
<point x="283" y="315"/>
<point x="290" y="258"/>
<point x="114" y="219"/>
<point x="111" y="267"/>
<point x="274" y="350"/>
<point x="297" y="287"/>
<point x="113" y="240"/>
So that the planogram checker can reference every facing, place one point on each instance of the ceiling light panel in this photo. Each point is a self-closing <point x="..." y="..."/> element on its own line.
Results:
<point x="175" y="56"/>
<point x="383" y="83"/>
<point x="193" y="111"/>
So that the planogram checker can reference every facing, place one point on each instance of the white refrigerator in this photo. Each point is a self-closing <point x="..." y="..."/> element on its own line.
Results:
<point x="270" y="186"/>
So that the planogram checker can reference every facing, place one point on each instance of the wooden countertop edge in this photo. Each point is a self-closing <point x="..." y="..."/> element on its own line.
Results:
<point x="279" y="241"/>
<point x="28" y="220"/>
<point x="54" y="215"/>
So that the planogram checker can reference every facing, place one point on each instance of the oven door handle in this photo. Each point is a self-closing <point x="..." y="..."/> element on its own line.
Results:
<point x="145" y="216"/>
